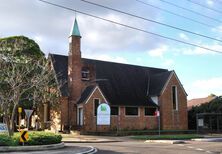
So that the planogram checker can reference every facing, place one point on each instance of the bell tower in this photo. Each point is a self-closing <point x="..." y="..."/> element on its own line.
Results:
<point x="74" y="73"/>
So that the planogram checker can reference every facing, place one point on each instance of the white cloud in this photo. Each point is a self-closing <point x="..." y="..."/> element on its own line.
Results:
<point x="97" y="35"/>
<point x="158" y="52"/>
<point x="200" y="51"/>
<point x="183" y="36"/>
<point x="217" y="29"/>
<point x="168" y="62"/>
<point x="38" y="39"/>
<point x="205" y="87"/>
<point x="210" y="2"/>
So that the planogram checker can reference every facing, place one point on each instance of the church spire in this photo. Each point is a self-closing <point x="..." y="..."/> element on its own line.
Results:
<point x="75" y="29"/>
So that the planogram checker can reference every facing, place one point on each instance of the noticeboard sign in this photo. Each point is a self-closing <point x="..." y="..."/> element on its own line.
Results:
<point x="3" y="128"/>
<point x="200" y="122"/>
<point x="103" y="114"/>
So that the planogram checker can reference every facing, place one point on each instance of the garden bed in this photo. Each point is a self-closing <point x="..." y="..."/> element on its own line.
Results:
<point x="35" y="138"/>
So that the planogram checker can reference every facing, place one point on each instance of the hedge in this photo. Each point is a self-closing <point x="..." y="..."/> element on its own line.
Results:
<point x="35" y="138"/>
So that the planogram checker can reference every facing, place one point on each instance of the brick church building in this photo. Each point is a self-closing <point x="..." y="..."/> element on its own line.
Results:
<point x="134" y="93"/>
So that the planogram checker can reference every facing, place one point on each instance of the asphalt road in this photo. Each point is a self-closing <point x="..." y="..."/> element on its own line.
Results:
<point x="138" y="147"/>
<point x="135" y="147"/>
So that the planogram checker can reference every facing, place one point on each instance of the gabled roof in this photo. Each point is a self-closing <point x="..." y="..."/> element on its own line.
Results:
<point x="86" y="93"/>
<point x="157" y="82"/>
<point x="121" y="84"/>
<point x="60" y="65"/>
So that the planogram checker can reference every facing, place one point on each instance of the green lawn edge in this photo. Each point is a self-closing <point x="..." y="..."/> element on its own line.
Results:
<point x="167" y="137"/>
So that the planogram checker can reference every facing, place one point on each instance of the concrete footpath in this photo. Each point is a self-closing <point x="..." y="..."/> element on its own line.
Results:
<point x="69" y="138"/>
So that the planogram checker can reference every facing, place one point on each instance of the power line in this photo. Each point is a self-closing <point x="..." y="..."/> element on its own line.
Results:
<point x="178" y="15"/>
<point x="131" y="27"/>
<point x="204" y="6"/>
<point x="154" y="21"/>
<point x="189" y="10"/>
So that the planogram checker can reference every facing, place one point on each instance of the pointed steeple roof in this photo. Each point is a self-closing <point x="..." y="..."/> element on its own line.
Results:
<point x="75" y="29"/>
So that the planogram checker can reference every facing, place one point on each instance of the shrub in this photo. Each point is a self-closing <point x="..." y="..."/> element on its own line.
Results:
<point x="5" y="140"/>
<point x="35" y="138"/>
<point x="42" y="138"/>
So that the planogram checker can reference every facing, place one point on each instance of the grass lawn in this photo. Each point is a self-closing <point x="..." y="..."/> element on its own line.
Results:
<point x="167" y="137"/>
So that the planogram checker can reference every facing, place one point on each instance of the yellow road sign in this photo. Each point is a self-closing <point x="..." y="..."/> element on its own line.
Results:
<point x="24" y="136"/>
<point x="19" y="110"/>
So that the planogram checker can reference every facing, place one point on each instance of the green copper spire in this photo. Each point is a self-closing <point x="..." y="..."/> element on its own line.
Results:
<point x="75" y="29"/>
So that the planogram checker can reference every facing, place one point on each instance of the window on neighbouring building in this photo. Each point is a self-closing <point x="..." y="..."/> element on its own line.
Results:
<point x="85" y="74"/>
<point x="150" y="111"/>
<point x="114" y="110"/>
<point x="174" y="98"/>
<point x="96" y="104"/>
<point x="131" y="111"/>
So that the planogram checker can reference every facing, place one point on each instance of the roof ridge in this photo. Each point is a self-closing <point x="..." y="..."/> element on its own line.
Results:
<point x="133" y="65"/>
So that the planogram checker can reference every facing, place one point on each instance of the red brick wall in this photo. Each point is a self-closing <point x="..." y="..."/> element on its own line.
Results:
<point x="120" y="122"/>
<point x="89" y="118"/>
<point x="137" y="122"/>
<point x="172" y="119"/>
<point x="64" y="111"/>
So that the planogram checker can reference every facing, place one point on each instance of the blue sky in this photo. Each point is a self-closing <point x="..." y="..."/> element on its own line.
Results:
<point x="199" y="70"/>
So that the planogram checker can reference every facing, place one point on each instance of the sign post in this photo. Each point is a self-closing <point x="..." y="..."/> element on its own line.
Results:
<point x="28" y="114"/>
<point x="157" y="113"/>
<point x="103" y="114"/>
<point x="19" y="111"/>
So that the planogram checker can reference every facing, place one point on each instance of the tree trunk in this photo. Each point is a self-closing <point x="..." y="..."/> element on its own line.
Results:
<point x="13" y="118"/>
<point x="7" y="121"/>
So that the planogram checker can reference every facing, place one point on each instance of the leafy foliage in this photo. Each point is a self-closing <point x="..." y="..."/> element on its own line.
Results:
<point x="26" y="76"/>
<point x="35" y="138"/>
<point x="20" y="46"/>
<point x="215" y="106"/>
<point x="6" y="140"/>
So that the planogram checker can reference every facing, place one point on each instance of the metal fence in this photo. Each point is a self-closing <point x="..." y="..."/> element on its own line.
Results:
<point x="209" y="122"/>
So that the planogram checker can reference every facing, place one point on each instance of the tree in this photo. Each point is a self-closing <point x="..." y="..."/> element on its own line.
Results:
<point x="214" y="106"/>
<point x="20" y="76"/>
<point x="20" y="46"/>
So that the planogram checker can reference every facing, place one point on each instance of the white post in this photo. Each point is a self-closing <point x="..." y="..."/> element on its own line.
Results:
<point x="159" y="122"/>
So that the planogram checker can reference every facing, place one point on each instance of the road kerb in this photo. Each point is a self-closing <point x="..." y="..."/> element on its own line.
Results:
<point x="31" y="148"/>
<point x="165" y="141"/>
<point x="91" y="151"/>
<point x="208" y="139"/>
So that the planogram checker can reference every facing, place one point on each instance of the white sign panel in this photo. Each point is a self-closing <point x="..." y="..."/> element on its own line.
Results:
<point x="3" y="128"/>
<point x="157" y="113"/>
<point x="200" y="122"/>
<point x="103" y="114"/>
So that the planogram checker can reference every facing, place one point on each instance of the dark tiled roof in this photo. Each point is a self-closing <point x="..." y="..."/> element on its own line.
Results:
<point x="124" y="84"/>
<point x="60" y="64"/>
<point x="157" y="82"/>
<point x="85" y="94"/>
